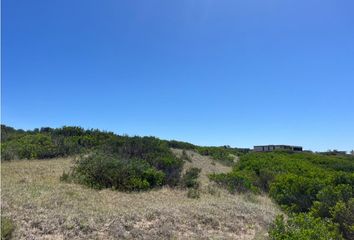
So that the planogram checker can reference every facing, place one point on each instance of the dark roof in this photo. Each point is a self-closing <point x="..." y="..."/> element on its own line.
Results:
<point x="277" y="146"/>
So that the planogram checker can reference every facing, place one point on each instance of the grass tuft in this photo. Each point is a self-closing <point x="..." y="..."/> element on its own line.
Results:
<point x="7" y="227"/>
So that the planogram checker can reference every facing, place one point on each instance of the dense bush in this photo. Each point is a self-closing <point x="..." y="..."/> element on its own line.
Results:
<point x="328" y="197"/>
<point x="128" y="163"/>
<point x="303" y="226"/>
<point x="100" y="170"/>
<point x="299" y="182"/>
<point x="180" y="145"/>
<point x="343" y="214"/>
<point x="190" y="178"/>
<point x="49" y="142"/>
<point x="30" y="147"/>
<point x="234" y="181"/>
<point x="296" y="193"/>
<point x="155" y="152"/>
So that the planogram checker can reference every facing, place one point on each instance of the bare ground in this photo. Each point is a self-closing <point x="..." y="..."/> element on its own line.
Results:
<point x="42" y="207"/>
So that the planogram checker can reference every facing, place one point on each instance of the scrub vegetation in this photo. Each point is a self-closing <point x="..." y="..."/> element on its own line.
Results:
<point x="144" y="187"/>
<point x="224" y="154"/>
<point x="43" y="207"/>
<point x="315" y="190"/>
<point x="107" y="160"/>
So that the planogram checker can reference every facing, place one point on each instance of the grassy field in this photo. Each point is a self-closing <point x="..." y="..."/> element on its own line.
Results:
<point x="42" y="207"/>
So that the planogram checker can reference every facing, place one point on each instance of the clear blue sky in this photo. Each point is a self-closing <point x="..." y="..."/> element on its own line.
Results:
<point x="209" y="72"/>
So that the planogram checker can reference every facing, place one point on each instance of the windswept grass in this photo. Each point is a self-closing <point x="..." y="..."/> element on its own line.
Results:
<point x="43" y="207"/>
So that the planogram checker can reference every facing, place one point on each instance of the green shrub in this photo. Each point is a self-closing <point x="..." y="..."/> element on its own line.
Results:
<point x="343" y="213"/>
<point x="294" y="192"/>
<point x="154" y="177"/>
<point x="100" y="170"/>
<point x="265" y="178"/>
<point x="190" y="178"/>
<point x="7" y="227"/>
<point x="180" y="145"/>
<point x="329" y="196"/>
<point x="49" y="142"/>
<point x="302" y="227"/>
<point x="234" y="181"/>
<point x="104" y="170"/>
<point x="299" y="182"/>
<point x="155" y="152"/>
<point x="170" y="165"/>
<point x="137" y="183"/>
<point x="9" y="133"/>
<point x="29" y="147"/>
<point x="193" y="193"/>
<point x="8" y="152"/>
<point x="223" y="155"/>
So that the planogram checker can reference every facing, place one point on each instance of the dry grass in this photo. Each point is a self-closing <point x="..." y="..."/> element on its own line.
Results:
<point x="206" y="164"/>
<point x="42" y="207"/>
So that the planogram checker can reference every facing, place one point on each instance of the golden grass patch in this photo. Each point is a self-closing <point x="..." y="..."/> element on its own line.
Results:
<point x="42" y="207"/>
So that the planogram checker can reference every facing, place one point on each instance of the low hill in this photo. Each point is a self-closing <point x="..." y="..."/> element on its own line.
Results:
<point x="43" y="207"/>
<point x="147" y="188"/>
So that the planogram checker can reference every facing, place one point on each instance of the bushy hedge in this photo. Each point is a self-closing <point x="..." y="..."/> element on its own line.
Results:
<point x="234" y="181"/>
<point x="128" y="164"/>
<point x="300" y="182"/>
<point x="155" y="152"/>
<point x="29" y="146"/>
<point x="180" y="145"/>
<point x="343" y="214"/>
<point x="49" y="142"/>
<point x="303" y="226"/>
<point x="99" y="170"/>
<point x="296" y="193"/>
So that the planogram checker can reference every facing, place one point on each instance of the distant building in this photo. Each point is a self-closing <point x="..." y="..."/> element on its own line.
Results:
<point x="334" y="152"/>
<point x="269" y="148"/>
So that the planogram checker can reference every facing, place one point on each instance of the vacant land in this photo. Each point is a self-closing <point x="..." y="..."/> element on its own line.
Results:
<point x="42" y="207"/>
